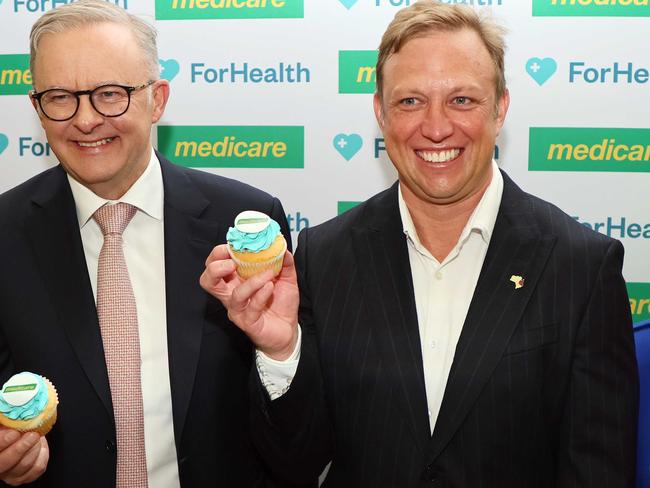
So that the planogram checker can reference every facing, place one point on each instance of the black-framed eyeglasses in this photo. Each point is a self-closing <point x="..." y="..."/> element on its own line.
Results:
<point x="108" y="100"/>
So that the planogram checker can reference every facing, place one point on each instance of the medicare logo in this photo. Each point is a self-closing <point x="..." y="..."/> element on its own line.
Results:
<point x="234" y="146"/>
<point x="619" y="227"/>
<point x="357" y="71"/>
<point x="591" y="8"/>
<point x="44" y="5"/>
<point x="639" y="294"/>
<point x="15" y="77"/>
<point x="229" y="9"/>
<point x="249" y="73"/>
<point x="344" y="206"/>
<point x="589" y="149"/>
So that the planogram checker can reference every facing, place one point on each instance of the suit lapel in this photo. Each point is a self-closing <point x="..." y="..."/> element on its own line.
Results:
<point x="189" y="238"/>
<point x="53" y="230"/>
<point x="516" y="248"/>
<point x="382" y="254"/>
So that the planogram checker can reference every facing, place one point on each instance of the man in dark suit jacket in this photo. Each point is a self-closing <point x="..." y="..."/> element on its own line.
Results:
<point x="455" y="331"/>
<point x="48" y="318"/>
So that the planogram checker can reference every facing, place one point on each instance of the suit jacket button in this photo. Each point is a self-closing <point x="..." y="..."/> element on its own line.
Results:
<point x="110" y="446"/>
<point x="430" y="473"/>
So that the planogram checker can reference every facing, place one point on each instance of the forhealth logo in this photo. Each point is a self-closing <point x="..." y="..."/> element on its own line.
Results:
<point x="229" y="9"/>
<point x="579" y="72"/>
<point x="618" y="227"/>
<point x="243" y="72"/>
<point x="639" y="294"/>
<point x="44" y="5"/>
<point x="4" y="141"/>
<point x="169" y="68"/>
<point x="15" y="77"/>
<point x="203" y="146"/>
<point x="540" y="69"/>
<point x="589" y="149"/>
<point x="591" y="8"/>
<point x="406" y="3"/>
<point x="357" y="71"/>
<point x="347" y="145"/>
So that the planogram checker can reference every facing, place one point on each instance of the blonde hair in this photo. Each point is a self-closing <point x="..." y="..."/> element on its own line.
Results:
<point x="82" y="13"/>
<point x="428" y="16"/>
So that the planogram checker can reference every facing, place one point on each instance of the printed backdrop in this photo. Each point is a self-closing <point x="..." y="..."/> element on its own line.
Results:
<point x="278" y="93"/>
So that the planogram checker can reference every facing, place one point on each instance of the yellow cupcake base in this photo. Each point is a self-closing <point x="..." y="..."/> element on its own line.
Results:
<point x="252" y="263"/>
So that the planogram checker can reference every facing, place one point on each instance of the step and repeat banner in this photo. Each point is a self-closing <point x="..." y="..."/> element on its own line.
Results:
<point x="278" y="93"/>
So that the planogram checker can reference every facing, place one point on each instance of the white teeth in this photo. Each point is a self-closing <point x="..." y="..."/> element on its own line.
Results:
<point x="101" y="142"/>
<point x="439" y="156"/>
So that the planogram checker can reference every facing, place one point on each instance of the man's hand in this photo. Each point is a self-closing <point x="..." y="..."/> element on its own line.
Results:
<point x="266" y="309"/>
<point x="23" y="457"/>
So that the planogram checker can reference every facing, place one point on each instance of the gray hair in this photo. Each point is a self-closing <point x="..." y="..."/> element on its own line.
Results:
<point x="82" y="13"/>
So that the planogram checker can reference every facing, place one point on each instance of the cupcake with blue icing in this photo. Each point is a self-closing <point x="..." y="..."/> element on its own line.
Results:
<point x="256" y="244"/>
<point x="28" y="403"/>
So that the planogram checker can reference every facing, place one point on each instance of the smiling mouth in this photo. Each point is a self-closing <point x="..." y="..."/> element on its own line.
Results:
<point x="98" y="143"/>
<point x="439" y="156"/>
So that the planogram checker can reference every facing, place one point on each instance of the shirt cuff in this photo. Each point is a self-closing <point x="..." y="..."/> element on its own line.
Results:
<point x="276" y="376"/>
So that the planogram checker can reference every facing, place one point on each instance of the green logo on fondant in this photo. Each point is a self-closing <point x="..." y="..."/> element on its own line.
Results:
<point x="10" y="389"/>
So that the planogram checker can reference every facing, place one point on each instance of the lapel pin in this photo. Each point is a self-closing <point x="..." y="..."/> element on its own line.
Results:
<point x="518" y="281"/>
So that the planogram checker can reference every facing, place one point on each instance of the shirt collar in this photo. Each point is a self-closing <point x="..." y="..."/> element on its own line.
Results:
<point x="146" y="194"/>
<point x="482" y="219"/>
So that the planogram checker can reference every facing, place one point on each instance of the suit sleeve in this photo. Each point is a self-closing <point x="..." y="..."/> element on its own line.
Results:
<point x="293" y="433"/>
<point x="598" y="432"/>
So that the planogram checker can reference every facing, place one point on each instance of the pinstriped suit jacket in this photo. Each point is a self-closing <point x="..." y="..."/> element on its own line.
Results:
<point x="543" y="390"/>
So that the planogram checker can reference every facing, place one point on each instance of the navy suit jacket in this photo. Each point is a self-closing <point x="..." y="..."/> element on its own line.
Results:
<point x="543" y="389"/>
<point x="48" y="325"/>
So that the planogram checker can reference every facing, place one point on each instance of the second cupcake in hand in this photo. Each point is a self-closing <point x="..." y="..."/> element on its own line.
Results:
<point x="256" y="244"/>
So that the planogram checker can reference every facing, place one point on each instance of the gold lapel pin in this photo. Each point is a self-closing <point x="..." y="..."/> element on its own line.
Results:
<point x="518" y="281"/>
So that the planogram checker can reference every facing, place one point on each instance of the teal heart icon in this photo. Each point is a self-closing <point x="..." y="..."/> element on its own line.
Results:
<point x="4" y="140"/>
<point x="169" y="68"/>
<point x="541" y="70"/>
<point x="346" y="3"/>
<point x="347" y="144"/>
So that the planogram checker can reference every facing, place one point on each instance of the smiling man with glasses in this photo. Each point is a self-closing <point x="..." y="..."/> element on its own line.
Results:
<point x="99" y="284"/>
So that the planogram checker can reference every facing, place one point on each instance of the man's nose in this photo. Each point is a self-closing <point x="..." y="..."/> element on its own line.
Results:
<point x="87" y="118"/>
<point x="437" y="124"/>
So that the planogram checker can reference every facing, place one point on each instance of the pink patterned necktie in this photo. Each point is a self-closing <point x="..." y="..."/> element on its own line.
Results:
<point x="118" y="322"/>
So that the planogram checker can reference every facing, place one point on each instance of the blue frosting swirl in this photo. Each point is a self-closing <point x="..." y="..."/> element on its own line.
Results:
<point x="32" y="408"/>
<point x="253" y="241"/>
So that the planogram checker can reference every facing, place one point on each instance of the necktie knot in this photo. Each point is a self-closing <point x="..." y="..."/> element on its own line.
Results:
<point x="113" y="219"/>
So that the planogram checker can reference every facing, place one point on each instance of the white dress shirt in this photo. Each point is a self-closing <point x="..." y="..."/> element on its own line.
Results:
<point x="144" y="251"/>
<point x="443" y="292"/>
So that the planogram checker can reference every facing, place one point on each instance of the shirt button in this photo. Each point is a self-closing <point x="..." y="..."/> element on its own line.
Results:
<point x="438" y="275"/>
<point x="433" y="344"/>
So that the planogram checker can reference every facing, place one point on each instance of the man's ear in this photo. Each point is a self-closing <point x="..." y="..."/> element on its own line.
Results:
<point x="160" y="98"/>
<point x="502" y="108"/>
<point x="379" y="113"/>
